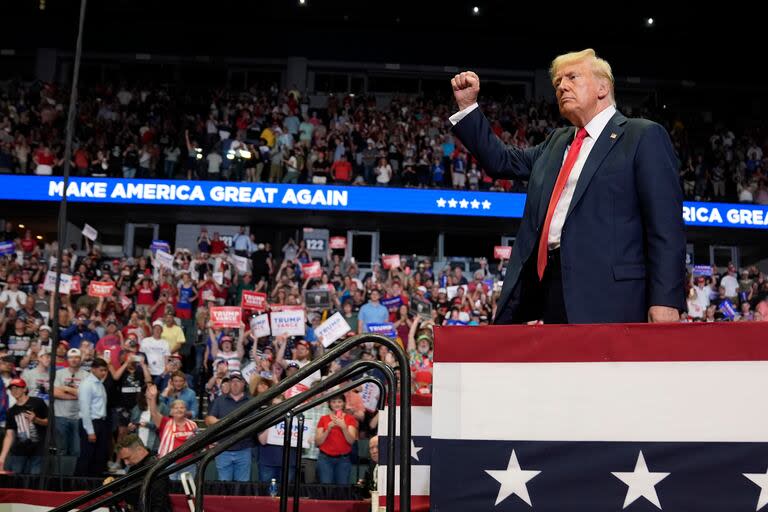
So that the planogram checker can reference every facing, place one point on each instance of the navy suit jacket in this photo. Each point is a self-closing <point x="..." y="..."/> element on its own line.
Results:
<point x="622" y="247"/>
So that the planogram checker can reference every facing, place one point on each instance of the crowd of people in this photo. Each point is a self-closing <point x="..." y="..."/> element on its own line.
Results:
<point x="268" y="135"/>
<point x="140" y="352"/>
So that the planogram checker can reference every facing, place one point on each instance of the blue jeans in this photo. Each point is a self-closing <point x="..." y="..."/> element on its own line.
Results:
<point x="24" y="465"/>
<point x="334" y="470"/>
<point x="234" y="466"/>
<point x="129" y="172"/>
<point x="170" y="167"/>
<point x="67" y="436"/>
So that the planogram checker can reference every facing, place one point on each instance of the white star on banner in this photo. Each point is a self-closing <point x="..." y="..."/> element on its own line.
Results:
<point x="641" y="482"/>
<point x="452" y="203"/>
<point x="475" y="204"/>
<point x="761" y="479"/>
<point x="464" y="203"/>
<point x="486" y="205"/>
<point x="415" y="450"/>
<point x="441" y="203"/>
<point x="513" y="480"/>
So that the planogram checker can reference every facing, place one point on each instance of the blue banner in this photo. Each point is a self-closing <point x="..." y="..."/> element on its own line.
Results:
<point x="160" y="244"/>
<point x="392" y="303"/>
<point x="727" y="309"/>
<point x="386" y="329"/>
<point x="326" y="198"/>
<point x="7" y="248"/>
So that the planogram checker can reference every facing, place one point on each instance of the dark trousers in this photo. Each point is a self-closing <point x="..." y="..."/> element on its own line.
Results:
<point x="93" y="456"/>
<point x="535" y="299"/>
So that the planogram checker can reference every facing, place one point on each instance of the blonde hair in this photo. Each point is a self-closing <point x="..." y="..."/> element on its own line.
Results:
<point x="600" y="67"/>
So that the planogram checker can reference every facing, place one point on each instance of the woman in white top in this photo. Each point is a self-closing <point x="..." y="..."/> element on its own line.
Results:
<point x="383" y="173"/>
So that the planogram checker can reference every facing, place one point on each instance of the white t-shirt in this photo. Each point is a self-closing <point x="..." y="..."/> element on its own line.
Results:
<point x="731" y="285"/>
<point x="156" y="351"/>
<point x="384" y="174"/>
<point x="214" y="163"/>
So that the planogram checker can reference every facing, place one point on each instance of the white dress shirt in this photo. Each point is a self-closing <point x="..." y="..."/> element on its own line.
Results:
<point x="594" y="128"/>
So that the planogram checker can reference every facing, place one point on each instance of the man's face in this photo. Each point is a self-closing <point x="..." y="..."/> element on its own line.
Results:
<point x="578" y="91"/>
<point x="131" y="456"/>
<point x="236" y="386"/>
<point x="100" y="372"/>
<point x="373" y="449"/>
<point x="74" y="361"/>
<point x="17" y="392"/>
<point x="375" y="295"/>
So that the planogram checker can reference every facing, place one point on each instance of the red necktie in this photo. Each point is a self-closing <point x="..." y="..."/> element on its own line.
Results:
<point x="562" y="179"/>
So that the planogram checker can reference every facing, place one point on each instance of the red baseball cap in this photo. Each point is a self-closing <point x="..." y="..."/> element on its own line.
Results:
<point x="18" y="382"/>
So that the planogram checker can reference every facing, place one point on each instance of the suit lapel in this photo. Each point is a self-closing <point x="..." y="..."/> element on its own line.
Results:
<point x="607" y="139"/>
<point x="548" y="181"/>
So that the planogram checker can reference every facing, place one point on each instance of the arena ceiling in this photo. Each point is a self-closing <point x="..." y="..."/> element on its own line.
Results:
<point x="691" y="42"/>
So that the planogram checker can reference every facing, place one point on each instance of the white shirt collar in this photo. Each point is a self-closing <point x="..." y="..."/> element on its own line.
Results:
<point x="596" y="126"/>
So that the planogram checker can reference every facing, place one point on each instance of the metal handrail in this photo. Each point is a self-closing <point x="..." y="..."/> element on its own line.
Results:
<point x="222" y="428"/>
<point x="275" y="414"/>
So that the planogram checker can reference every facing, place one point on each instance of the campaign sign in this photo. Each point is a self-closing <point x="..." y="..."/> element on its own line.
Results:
<point x="90" y="233"/>
<point x="338" y="242"/>
<point x="392" y="303"/>
<point x="385" y="329"/>
<point x="101" y="288"/>
<point x="164" y="259"/>
<point x="288" y="322"/>
<point x="65" y="283"/>
<point x="226" y="316"/>
<point x="160" y="245"/>
<point x="260" y="326"/>
<point x="311" y="270"/>
<point x="255" y="301"/>
<point x="7" y="248"/>
<point x="332" y="329"/>
<point x="77" y="286"/>
<point x="276" y="435"/>
<point x="391" y="261"/>
<point x="370" y="395"/>
<point x="502" y="252"/>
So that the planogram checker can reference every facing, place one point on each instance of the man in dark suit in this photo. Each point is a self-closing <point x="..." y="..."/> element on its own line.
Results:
<point x="602" y="236"/>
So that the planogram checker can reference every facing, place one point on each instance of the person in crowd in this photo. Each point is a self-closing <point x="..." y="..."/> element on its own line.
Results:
<point x="132" y="451"/>
<point x="234" y="464"/>
<point x="174" y="429"/>
<point x="23" y="447"/>
<point x="94" y="423"/>
<point x="66" y="406"/>
<point x="178" y="389"/>
<point x="335" y="435"/>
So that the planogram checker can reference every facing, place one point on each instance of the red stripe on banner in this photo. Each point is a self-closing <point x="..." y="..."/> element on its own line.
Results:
<point x="418" y="503"/>
<point x="601" y="343"/>
<point x="212" y="503"/>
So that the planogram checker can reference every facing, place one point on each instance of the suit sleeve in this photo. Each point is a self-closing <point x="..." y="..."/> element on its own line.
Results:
<point x="498" y="160"/>
<point x="661" y="205"/>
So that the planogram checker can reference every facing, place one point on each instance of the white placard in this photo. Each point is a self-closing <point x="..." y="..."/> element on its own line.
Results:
<point x="65" y="282"/>
<point x="90" y="233"/>
<point x="290" y="322"/>
<point x="276" y="435"/>
<point x="164" y="259"/>
<point x="454" y="290"/>
<point x="332" y="329"/>
<point x="370" y="395"/>
<point x="260" y="326"/>
<point x="241" y="263"/>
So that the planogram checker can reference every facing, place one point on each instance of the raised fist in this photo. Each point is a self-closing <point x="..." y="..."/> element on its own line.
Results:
<point x="466" y="87"/>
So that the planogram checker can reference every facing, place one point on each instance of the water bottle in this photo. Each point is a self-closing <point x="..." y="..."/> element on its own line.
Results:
<point x="273" y="488"/>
